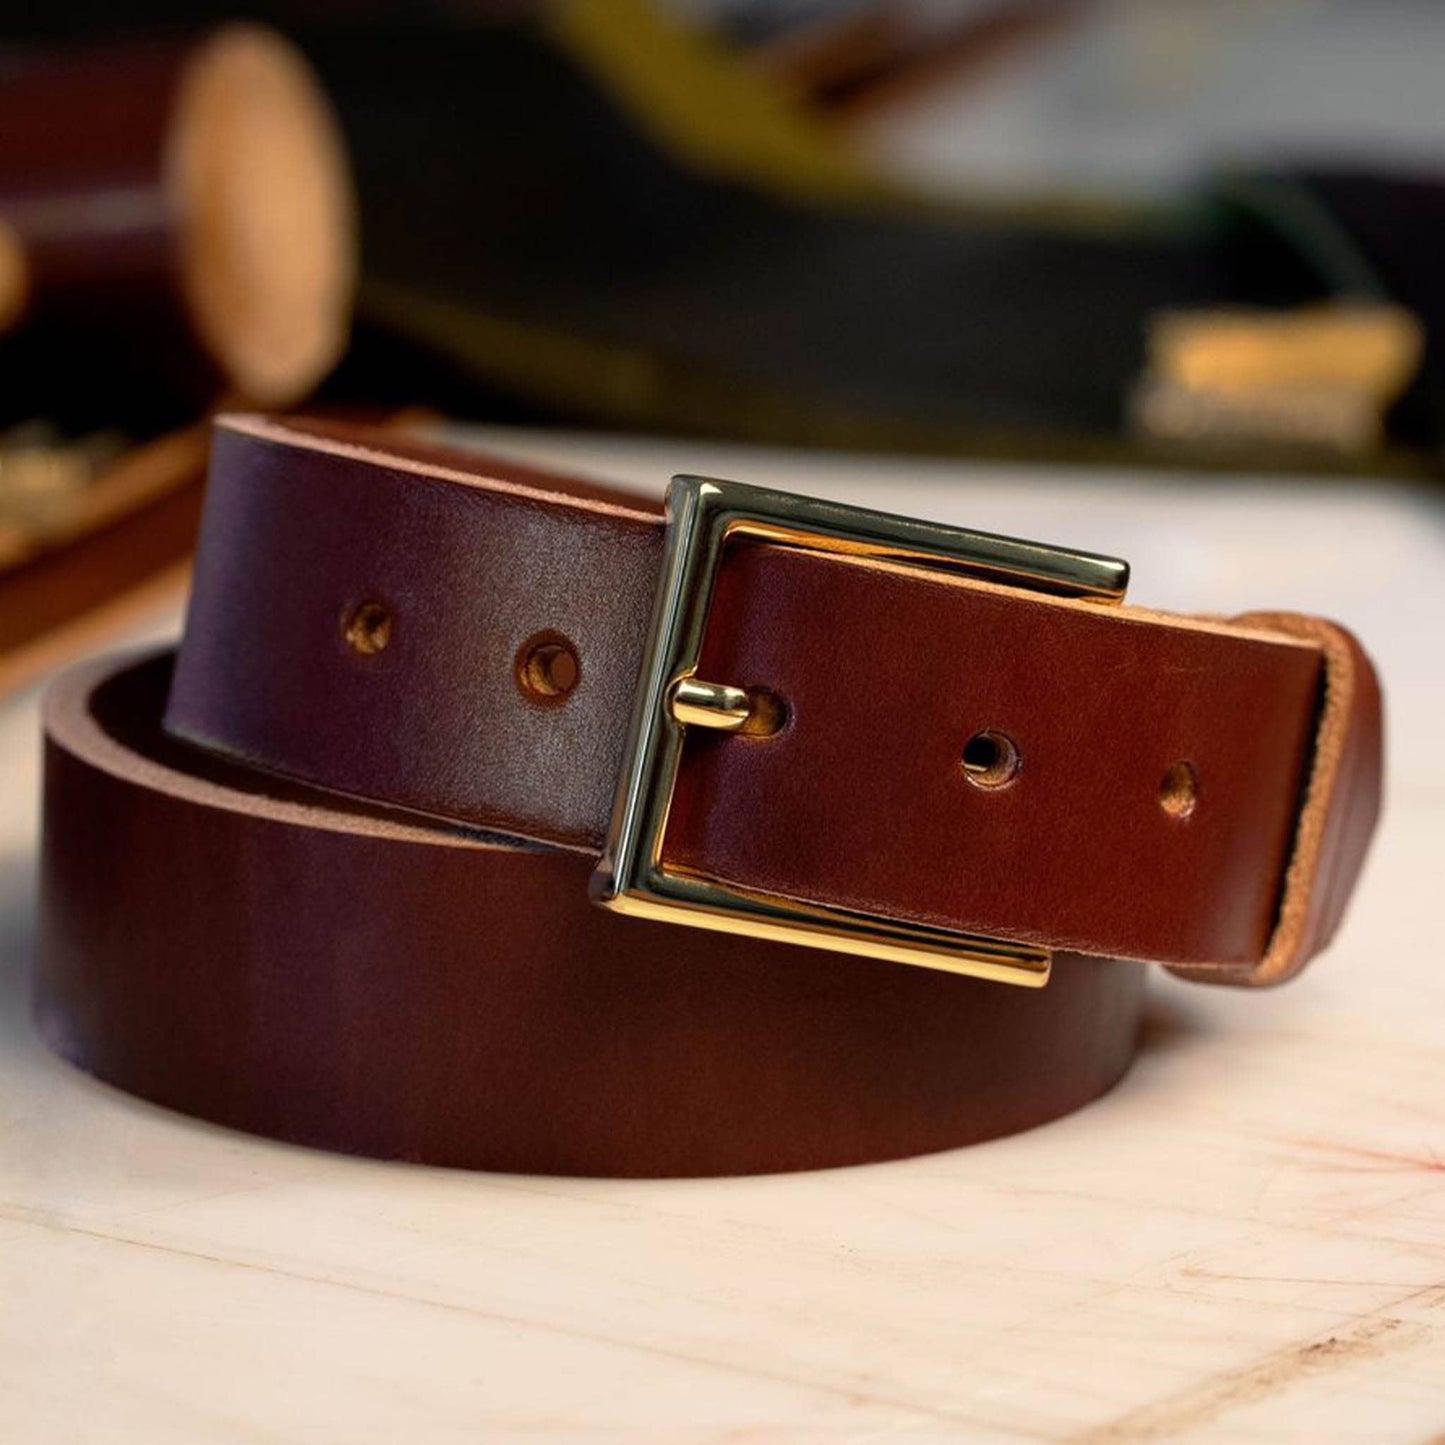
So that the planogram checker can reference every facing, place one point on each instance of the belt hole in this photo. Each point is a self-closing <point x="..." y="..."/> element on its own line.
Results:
<point x="367" y="627"/>
<point x="991" y="759"/>
<point x="769" y="714"/>
<point x="547" y="668"/>
<point x="1179" y="791"/>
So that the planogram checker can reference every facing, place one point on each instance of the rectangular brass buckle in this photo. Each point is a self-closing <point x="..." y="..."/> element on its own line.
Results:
<point x="703" y="515"/>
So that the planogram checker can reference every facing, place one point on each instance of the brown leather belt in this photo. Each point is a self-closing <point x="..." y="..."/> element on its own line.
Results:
<point x="328" y="879"/>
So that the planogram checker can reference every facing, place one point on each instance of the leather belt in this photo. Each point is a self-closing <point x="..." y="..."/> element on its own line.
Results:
<point x="326" y="876"/>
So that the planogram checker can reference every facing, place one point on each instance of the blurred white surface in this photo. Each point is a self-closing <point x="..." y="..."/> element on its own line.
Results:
<point x="1139" y="97"/>
<point x="1245" y="1241"/>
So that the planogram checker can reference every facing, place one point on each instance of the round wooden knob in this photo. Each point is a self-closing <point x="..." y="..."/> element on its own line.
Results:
<point x="14" y="277"/>
<point x="181" y="216"/>
<point x="258" y="179"/>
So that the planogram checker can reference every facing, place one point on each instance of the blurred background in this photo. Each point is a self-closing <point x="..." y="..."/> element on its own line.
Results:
<point x="1182" y="238"/>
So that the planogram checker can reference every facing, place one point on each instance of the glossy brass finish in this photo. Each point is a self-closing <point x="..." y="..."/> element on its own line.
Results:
<point x="709" y="704"/>
<point x="703" y="515"/>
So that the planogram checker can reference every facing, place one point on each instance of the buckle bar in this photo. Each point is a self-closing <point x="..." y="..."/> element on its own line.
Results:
<point x="703" y="514"/>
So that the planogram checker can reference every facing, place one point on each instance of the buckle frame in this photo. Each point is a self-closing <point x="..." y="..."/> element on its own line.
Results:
<point x="703" y="514"/>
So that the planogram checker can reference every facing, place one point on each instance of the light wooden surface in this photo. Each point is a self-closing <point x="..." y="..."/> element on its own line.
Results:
<point x="1244" y="1242"/>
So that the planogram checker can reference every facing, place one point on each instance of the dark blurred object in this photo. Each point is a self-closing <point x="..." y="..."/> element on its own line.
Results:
<point x="600" y="221"/>
<point x="177" y="228"/>
<point x="182" y="220"/>
<point x="1398" y="223"/>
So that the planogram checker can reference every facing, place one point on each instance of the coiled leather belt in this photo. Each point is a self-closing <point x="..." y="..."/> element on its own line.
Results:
<point x="325" y="873"/>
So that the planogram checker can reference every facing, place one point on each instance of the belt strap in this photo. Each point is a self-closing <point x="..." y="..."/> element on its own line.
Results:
<point x="406" y="964"/>
<point x="277" y="962"/>
<point x="862" y="801"/>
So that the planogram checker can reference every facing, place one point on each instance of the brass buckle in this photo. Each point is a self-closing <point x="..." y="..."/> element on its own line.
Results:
<point x="703" y="515"/>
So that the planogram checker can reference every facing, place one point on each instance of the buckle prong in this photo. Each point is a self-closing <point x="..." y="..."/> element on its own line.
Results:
<point x="703" y="514"/>
<point x="710" y="704"/>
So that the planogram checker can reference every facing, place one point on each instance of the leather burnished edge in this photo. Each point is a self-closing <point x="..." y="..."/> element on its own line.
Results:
<point x="1340" y="806"/>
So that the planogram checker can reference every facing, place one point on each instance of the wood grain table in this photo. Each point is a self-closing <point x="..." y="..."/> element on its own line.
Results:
<point x="1245" y="1241"/>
